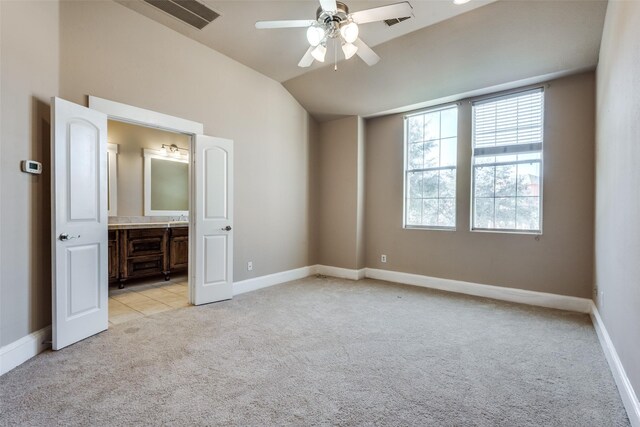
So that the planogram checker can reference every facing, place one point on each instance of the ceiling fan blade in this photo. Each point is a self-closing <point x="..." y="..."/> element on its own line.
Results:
<point x="307" y="59"/>
<point x="298" y="23"/>
<point x="329" y="5"/>
<point x="366" y="53"/>
<point x="398" y="10"/>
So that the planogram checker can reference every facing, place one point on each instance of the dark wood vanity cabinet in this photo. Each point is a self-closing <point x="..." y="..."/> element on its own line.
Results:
<point x="143" y="252"/>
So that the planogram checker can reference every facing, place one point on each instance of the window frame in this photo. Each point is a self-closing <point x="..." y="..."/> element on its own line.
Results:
<point x="510" y="94"/>
<point x="405" y="171"/>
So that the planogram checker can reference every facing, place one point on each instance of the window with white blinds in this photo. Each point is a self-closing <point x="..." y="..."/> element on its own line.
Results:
<point x="507" y="162"/>
<point x="431" y="155"/>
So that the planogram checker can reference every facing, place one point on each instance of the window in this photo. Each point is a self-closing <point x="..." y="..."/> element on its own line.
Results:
<point x="507" y="162"/>
<point x="431" y="147"/>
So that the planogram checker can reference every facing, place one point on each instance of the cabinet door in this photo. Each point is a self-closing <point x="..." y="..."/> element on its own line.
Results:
<point x="179" y="252"/>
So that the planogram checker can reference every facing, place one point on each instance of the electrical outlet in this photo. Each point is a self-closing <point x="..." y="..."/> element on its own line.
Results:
<point x="250" y="266"/>
<point x="383" y="258"/>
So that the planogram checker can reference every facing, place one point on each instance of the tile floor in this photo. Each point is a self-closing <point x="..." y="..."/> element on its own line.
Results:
<point x="144" y="298"/>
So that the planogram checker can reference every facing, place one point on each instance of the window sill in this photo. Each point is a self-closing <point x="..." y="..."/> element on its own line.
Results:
<point x="490" y="230"/>
<point x="428" y="228"/>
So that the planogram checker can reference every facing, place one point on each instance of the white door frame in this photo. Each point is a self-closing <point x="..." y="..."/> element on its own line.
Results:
<point x="140" y="116"/>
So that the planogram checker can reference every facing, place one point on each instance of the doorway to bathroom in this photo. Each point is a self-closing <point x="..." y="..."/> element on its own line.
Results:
<point x="148" y="185"/>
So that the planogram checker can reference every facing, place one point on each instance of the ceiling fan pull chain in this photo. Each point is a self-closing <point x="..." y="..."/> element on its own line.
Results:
<point x="335" y="55"/>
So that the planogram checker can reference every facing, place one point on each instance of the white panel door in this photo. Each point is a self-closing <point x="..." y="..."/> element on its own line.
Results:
<point x="212" y="207"/>
<point x="79" y="222"/>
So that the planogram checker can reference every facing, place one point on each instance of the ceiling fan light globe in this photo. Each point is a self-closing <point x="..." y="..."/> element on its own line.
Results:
<point x="349" y="50"/>
<point x="319" y="53"/>
<point x="349" y="32"/>
<point x="315" y="35"/>
<point x="461" y="1"/>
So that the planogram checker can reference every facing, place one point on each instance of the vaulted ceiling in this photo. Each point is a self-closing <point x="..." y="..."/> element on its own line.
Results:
<point x="276" y="53"/>
<point x="444" y="50"/>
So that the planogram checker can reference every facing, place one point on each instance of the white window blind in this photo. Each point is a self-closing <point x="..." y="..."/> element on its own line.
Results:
<point x="431" y="150"/>
<point x="507" y="141"/>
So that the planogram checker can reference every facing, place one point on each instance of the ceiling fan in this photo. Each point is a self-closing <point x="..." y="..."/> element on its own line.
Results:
<point x="334" y="22"/>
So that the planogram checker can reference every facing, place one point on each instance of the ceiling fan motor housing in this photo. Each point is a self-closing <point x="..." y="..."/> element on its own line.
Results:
<point x="332" y="21"/>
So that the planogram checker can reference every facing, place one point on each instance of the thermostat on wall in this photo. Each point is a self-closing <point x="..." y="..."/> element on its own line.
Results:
<point x="31" y="166"/>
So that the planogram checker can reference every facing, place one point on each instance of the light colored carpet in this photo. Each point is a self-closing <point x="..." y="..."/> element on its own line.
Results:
<point x="323" y="351"/>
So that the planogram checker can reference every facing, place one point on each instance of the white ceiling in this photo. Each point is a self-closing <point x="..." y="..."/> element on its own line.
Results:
<point x="445" y="51"/>
<point x="506" y="42"/>
<point x="276" y="53"/>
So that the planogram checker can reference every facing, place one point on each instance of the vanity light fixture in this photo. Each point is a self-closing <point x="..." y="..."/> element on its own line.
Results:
<point x="173" y="150"/>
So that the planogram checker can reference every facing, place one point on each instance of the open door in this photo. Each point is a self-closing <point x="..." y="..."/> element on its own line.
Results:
<point x="212" y="208"/>
<point x="79" y="222"/>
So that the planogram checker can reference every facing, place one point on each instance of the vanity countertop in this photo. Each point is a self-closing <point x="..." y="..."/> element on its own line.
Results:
<point x="133" y="225"/>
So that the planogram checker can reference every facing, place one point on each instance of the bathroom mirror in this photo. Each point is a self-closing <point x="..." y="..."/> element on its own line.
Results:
<point x="166" y="184"/>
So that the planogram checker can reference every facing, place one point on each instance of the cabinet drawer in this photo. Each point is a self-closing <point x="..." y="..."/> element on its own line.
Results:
<point x="180" y="232"/>
<point x="146" y="242"/>
<point x="146" y="246"/>
<point x="146" y="232"/>
<point x="143" y="266"/>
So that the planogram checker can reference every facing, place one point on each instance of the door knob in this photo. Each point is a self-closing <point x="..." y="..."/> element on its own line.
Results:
<point x="227" y="228"/>
<point x="64" y="237"/>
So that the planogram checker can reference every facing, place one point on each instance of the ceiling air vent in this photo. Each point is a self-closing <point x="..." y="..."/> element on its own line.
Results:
<point x="394" y="21"/>
<point x="190" y="12"/>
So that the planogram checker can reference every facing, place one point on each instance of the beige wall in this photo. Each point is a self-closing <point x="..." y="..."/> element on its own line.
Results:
<point x="102" y="48"/>
<point x="617" y="236"/>
<point x="339" y="152"/>
<point x="113" y="52"/>
<point x="131" y="140"/>
<point x="559" y="262"/>
<point x="29" y="77"/>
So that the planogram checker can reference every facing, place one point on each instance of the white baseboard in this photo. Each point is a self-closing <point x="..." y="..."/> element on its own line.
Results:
<point x="18" y="352"/>
<point x="343" y="273"/>
<point x="628" y="395"/>
<point x="270" y="280"/>
<point x="542" y="299"/>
